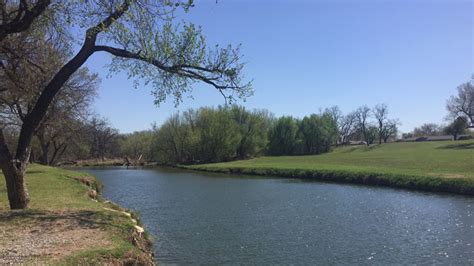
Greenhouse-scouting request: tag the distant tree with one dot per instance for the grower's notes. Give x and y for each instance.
(253, 129)
(363, 123)
(283, 137)
(381, 115)
(137, 145)
(407, 135)
(218, 132)
(371, 134)
(428, 129)
(390, 130)
(337, 117)
(170, 140)
(457, 127)
(347, 127)
(102, 137)
(319, 133)
(463, 103)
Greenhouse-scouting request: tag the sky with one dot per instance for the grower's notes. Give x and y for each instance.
(304, 56)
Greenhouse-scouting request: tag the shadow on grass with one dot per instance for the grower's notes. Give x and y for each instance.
(460, 146)
(73, 219)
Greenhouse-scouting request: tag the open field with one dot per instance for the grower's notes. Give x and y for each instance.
(66, 225)
(433, 166)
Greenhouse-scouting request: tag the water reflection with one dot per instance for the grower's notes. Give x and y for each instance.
(219, 219)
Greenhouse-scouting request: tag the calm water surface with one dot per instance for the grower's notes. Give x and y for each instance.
(218, 219)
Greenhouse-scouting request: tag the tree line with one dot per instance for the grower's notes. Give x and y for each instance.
(232, 132)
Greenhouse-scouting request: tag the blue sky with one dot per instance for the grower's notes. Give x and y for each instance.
(307, 55)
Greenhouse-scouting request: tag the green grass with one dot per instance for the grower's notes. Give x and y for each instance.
(62, 195)
(434, 166)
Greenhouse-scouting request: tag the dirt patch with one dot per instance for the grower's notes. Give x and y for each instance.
(40, 236)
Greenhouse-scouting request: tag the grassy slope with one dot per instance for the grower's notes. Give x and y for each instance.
(55, 192)
(436, 166)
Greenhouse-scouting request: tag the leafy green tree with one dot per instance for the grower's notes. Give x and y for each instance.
(219, 135)
(171, 142)
(143, 41)
(457, 127)
(319, 133)
(137, 145)
(253, 131)
(283, 137)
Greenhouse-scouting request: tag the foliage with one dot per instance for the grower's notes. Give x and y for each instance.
(283, 137)
(137, 144)
(211, 135)
(462, 104)
(319, 133)
(428, 129)
(457, 127)
(144, 40)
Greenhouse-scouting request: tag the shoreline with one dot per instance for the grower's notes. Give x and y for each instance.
(460, 186)
(68, 222)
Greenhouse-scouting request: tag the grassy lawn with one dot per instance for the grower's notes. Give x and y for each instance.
(437, 166)
(65, 225)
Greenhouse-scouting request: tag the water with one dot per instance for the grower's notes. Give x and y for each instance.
(219, 219)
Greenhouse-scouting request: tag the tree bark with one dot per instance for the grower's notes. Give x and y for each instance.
(16, 185)
(14, 172)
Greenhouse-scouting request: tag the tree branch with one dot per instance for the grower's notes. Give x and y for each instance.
(182, 69)
(24, 17)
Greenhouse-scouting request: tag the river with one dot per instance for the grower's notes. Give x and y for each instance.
(198, 218)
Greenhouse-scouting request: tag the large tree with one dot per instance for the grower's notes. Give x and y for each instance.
(462, 104)
(144, 41)
(29, 62)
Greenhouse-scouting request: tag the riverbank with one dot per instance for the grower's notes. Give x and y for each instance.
(105, 163)
(69, 223)
(428, 166)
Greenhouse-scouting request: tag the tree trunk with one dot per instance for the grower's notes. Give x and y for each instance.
(58, 152)
(16, 185)
(44, 149)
